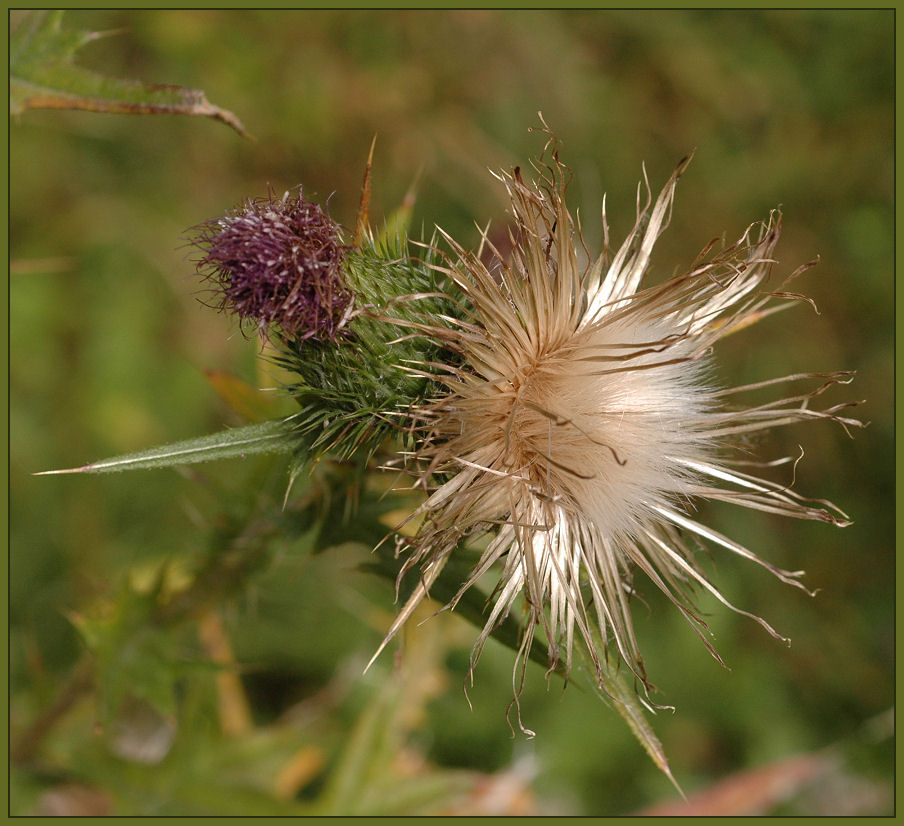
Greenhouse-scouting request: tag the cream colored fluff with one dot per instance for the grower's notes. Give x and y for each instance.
(579, 425)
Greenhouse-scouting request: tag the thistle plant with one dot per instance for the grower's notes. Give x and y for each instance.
(557, 412)
(337, 314)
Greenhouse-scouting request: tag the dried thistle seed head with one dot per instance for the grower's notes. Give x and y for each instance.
(278, 263)
(579, 424)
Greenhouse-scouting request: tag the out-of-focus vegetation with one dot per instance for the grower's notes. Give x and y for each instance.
(43, 74)
(180, 644)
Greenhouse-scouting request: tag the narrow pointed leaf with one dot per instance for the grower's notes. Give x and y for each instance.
(267, 437)
(615, 692)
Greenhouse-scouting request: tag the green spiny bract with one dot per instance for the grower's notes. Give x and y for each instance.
(355, 392)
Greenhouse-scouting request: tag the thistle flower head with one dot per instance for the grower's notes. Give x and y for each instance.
(278, 263)
(579, 423)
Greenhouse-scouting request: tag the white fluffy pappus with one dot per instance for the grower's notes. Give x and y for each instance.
(579, 424)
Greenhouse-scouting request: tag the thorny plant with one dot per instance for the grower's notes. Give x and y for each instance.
(558, 413)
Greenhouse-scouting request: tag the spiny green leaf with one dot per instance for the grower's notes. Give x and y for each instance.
(42, 75)
(615, 692)
(40, 39)
(267, 437)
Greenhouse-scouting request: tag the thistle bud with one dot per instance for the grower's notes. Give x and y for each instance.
(278, 265)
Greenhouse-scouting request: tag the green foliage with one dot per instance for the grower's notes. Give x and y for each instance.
(109, 347)
(238, 442)
(132, 655)
(42, 76)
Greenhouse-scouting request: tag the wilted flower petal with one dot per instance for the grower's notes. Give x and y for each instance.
(581, 423)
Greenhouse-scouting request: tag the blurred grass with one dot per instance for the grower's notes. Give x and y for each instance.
(109, 344)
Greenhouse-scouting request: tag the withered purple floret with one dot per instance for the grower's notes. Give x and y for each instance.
(278, 264)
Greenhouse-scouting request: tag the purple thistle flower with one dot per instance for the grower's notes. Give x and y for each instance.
(278, 263)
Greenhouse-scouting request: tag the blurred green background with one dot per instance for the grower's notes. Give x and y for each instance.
(110, 347)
